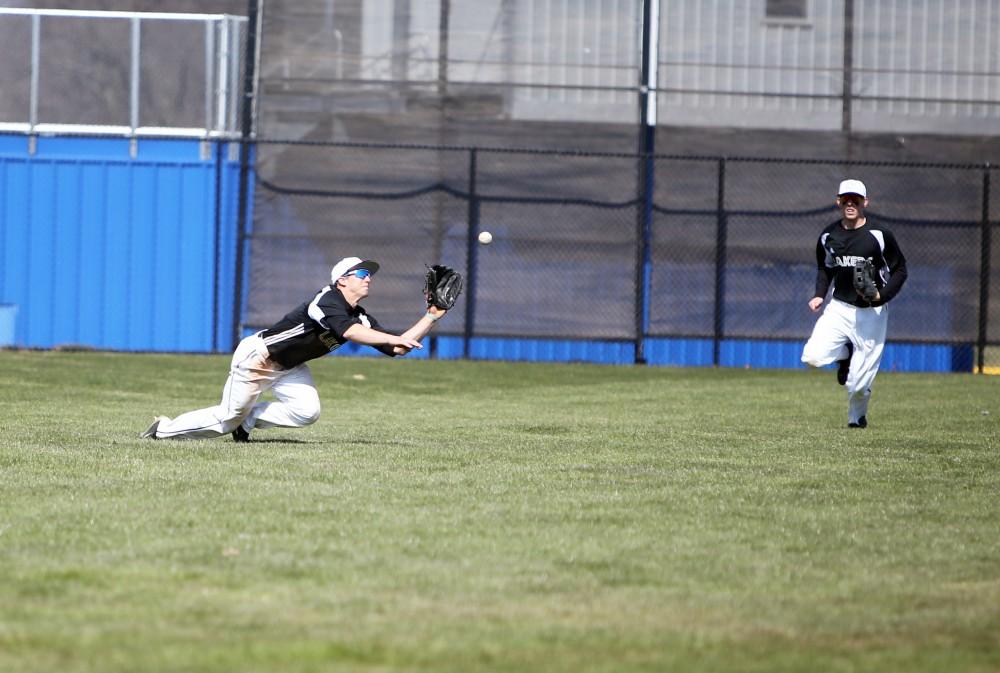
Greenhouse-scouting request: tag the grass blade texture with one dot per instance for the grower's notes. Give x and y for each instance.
(486, 516)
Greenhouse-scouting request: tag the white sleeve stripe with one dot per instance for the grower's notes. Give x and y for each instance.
(828, 260)
(315, 312)
(287, 334)
(880, 238)
(883, 271)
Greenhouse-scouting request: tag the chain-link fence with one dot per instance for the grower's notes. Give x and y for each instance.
(857, 66)
(718, 248)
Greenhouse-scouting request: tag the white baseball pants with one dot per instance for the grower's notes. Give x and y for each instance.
(865, 328)
(251, 373)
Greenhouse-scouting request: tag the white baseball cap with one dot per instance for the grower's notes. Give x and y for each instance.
(853, 187)
(348, 264)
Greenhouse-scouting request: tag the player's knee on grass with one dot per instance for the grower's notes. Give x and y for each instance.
(230, 421)
(306, 410)
(232, 416)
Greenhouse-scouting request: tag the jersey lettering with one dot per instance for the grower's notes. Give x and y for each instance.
(838, 250)
(849, 260)
(329, 340)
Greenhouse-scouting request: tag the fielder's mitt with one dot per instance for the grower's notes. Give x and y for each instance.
(864, 280)
(442, 286)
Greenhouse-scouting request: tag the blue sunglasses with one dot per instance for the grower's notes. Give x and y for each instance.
(360, 273)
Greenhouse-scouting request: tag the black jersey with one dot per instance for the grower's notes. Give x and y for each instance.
(316, 328)
(838, 249)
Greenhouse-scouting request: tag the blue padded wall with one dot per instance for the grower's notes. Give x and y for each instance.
(104, 250)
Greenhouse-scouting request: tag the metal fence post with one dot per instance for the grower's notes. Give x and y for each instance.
(644, 227)
(721, 224)
(848, 73)
(244, 187)
(470, 258)
(646, 168)
(444, 21)
(220, 160)
(984, 269)
(36, 47)
(135, 73)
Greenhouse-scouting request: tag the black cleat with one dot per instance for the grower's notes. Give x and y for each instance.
(844, 365)
(240, 435)
(150, 432)
(861, 424)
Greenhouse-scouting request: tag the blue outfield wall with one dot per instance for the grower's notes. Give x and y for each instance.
(101, 249)
(660, 351)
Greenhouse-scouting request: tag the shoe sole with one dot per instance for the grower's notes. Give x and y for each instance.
(150, 432)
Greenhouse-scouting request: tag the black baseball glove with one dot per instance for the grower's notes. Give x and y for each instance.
(864, 280)
(442, 286)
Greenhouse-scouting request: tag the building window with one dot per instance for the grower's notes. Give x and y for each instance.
(785, 10)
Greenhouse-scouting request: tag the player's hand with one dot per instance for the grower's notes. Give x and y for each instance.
(815, 303)
(405, 343)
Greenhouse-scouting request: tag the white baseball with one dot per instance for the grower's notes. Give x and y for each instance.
(485, 237)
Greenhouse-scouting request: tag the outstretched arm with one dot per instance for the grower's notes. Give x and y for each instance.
(442, 285)
(372, 337)
(390, 344)
(421, 328)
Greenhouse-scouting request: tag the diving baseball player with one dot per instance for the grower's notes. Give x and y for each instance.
(852, 329)
(275, 359)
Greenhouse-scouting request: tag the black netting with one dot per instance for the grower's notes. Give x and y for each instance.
(564, 238)
(557, 271)
(770, 272)
(292, 256)
(731, 241)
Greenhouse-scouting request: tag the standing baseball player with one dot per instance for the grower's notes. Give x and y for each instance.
(275, 359)
(863, 261)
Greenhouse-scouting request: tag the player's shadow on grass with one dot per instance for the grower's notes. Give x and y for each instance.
(377, 442)
(278, 440)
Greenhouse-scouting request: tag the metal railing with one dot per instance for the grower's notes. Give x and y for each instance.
(221, 66)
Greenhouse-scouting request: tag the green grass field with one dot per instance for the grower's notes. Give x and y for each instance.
(464, 517)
